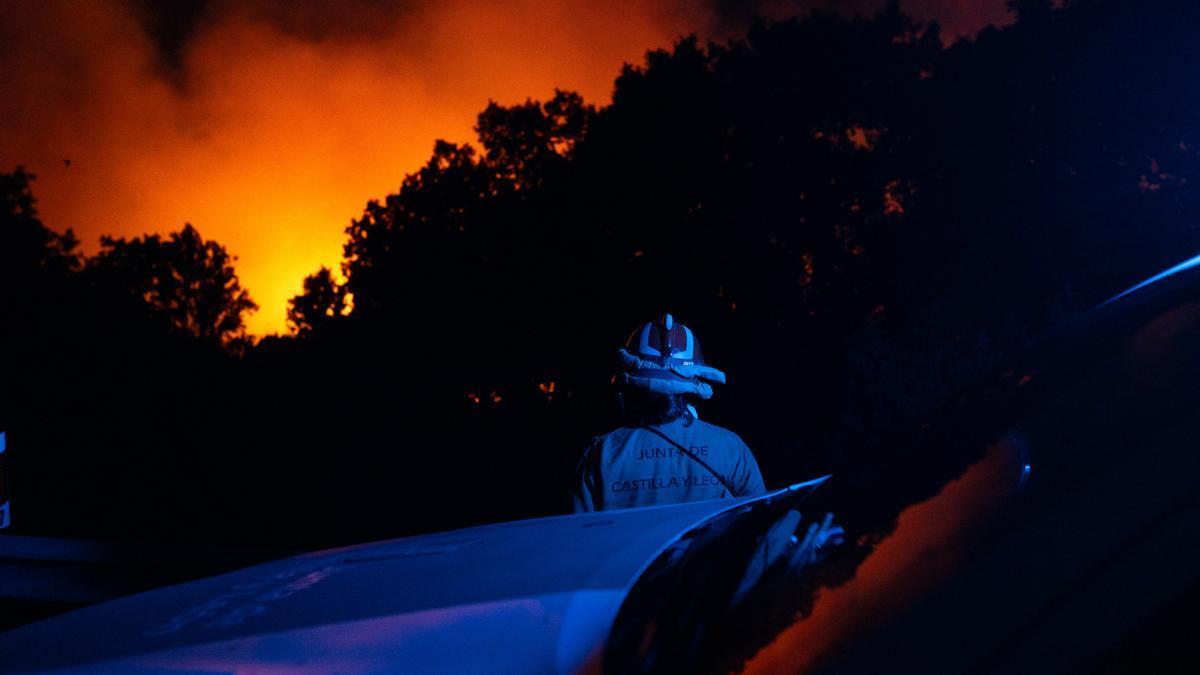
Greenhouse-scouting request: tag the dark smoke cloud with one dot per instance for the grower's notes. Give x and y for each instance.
(171, 25)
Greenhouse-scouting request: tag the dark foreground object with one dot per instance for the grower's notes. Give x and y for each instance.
(41, 577)
(539, 595)
(1093, 566)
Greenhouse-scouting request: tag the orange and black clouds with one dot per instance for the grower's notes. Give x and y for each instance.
(269, 124)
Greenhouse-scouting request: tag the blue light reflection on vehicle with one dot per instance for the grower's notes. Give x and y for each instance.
(4, 517)
(1185, 265)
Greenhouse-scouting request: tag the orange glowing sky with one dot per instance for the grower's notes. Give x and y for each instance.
(271, 140)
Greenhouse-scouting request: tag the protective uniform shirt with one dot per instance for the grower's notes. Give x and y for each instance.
(635, 467)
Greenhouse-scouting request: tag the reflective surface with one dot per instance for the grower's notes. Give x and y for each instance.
(529, 596)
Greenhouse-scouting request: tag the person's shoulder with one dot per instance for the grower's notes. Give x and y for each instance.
(717, 432)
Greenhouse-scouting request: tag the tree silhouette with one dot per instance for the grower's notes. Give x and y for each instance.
(26, 245)
(183, 278)
(1035, 11)
(528, 142)
(322, 301)
(401, 248)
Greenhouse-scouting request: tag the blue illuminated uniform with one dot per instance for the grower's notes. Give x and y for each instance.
(635, 467)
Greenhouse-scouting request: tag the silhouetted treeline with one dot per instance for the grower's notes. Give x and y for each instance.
(857, 221)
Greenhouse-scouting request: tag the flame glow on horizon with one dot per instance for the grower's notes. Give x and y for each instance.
(273, 142)
(272, 139)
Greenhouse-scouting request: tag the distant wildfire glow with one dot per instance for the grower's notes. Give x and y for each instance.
(274, 142)
(271, 140)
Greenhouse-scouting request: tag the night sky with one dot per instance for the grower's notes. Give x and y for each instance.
(268, 125)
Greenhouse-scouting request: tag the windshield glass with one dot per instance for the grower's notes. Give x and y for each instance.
(1098, 433)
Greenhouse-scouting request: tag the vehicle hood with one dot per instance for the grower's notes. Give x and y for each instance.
(535, 595)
